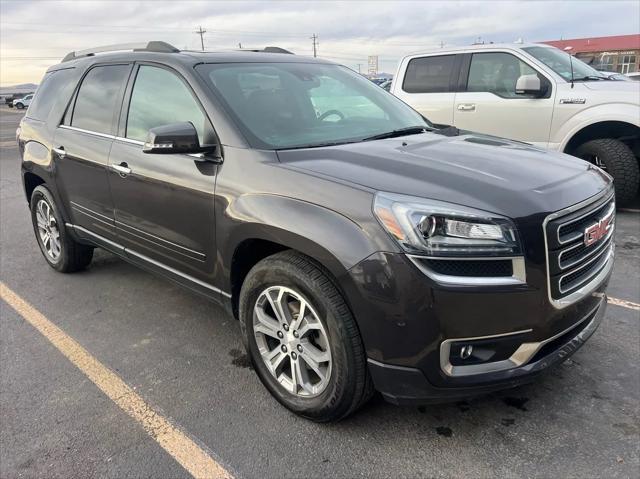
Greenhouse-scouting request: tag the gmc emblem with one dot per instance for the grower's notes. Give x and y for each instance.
(597, 231)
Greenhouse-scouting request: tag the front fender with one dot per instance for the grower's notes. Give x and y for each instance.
(329, 237)
(623, 112)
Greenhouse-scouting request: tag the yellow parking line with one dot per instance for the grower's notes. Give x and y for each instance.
(183, 449)
(624, 303)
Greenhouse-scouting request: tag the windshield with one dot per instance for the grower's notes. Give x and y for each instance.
(296, 105)
(560, 63)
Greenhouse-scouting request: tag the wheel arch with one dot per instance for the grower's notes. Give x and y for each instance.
(273, 223)
(622, 130)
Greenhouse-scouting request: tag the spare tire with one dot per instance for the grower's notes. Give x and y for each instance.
(618, 160)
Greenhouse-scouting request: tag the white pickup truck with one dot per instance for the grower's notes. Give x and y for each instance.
(532, 93)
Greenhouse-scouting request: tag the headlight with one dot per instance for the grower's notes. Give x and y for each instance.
(436, 228)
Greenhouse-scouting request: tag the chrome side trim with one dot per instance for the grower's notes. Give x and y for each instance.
(89, 132)
(91, 214)
(148, 260)
(129, 140)
(595, 282)
(157, 240)
(521, 356)
(519, 275)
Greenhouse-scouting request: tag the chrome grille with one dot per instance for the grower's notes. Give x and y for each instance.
(572, 260)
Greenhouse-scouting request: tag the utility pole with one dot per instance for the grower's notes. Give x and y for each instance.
(315, 45)
(359, 68)
(240, 46)
(201, 32)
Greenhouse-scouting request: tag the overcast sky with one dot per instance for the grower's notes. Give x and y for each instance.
(36, 34)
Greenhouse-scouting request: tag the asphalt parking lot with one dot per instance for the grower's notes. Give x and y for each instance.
(182, 355)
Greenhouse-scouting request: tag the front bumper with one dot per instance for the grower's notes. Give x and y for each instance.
(406, 320)
(407, 386)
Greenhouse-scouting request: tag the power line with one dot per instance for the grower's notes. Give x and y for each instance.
(201, 32)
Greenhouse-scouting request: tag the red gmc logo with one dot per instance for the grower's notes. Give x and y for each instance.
(597, 231)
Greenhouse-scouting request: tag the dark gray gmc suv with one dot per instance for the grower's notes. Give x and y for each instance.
(361, 247)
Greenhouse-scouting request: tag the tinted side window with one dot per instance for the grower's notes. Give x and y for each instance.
(159, 98)
(497, 73)
(48, 92)
(97, 98)
(428, 74)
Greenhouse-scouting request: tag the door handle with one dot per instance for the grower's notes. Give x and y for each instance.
(60, 152)
(122, 169)
(466, 107)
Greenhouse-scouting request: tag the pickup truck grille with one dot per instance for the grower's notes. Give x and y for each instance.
(579, 245)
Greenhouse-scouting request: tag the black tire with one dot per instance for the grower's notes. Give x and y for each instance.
(19, 106)
(73, 256)
(619, 161)
(349, 385)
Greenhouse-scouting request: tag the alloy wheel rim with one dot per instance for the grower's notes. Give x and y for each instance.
(292, 341)
(48, 230)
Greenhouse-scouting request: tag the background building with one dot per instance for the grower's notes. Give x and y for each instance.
(619, 53)
(373, 65)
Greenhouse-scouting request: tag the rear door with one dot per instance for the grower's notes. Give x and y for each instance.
(82, 144)
(164, 205)
(429, 86)
(488, 102)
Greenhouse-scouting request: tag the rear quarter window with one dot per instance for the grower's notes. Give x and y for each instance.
(50, 90)
(429, 74)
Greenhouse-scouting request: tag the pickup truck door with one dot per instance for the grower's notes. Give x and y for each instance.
(81, 148)
(429, 86)
(164, 203)
(487, 102)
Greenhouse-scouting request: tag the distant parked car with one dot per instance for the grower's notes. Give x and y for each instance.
(615, 75)
(23, 102)
(386, 85)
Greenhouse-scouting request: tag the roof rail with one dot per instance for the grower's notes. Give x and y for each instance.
(267, 50)
(155, 46)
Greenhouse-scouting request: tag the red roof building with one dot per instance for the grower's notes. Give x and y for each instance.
(619, 53)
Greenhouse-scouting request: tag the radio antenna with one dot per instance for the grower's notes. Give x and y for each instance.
(568, 50)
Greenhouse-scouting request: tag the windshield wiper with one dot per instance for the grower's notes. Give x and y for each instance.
(411, 130)
(590, 77)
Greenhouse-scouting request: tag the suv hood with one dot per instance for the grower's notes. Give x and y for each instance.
(500, 176)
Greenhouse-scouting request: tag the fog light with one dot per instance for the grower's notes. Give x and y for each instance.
(466, 351)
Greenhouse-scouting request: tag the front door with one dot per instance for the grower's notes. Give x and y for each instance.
(164, 203)
(82, 145)
(490, 104)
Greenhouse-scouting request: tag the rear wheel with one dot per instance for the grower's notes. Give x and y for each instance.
(303, 339)
(19, 106)
(61, 251)
(618, 160)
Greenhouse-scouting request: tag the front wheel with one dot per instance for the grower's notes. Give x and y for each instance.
(618, 160)
(19, 106)
(61, 251)
(303, 339)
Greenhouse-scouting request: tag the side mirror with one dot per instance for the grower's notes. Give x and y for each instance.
(174, 138)
(528, 85)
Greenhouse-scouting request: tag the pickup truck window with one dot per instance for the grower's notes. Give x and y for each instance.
(159, 98)
(429, 74)
(496, 73)
(96, 101)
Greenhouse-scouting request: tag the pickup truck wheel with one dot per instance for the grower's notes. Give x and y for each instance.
(618, 160)
(19, 106)
(302, 338)
(60, 250)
